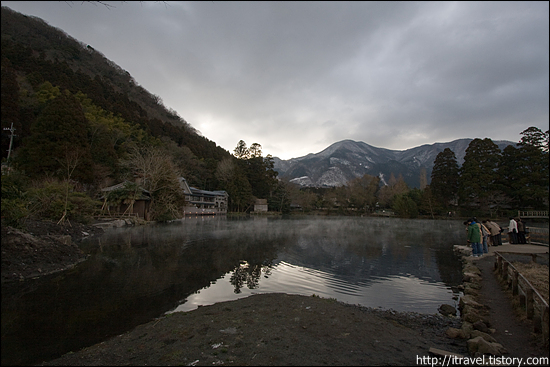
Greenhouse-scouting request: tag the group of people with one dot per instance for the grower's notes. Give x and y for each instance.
(516, 231)
(488, 233)
(481, 235)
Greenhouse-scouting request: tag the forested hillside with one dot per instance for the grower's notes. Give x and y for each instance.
(74, 123)
(40, 63)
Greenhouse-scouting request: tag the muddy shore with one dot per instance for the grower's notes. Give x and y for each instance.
(276, 329)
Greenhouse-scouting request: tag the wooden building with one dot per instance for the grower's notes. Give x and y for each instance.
(260, 206)
(202, 202)
(126, 199)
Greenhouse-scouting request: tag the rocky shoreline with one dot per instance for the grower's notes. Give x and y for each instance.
(476, 328)
(489, 323)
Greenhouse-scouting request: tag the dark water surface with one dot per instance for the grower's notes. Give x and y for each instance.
(137, 274)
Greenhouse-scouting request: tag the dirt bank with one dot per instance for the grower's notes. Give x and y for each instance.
(276, 329)
(42, 248)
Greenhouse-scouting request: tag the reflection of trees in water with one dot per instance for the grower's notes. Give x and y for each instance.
(248, 274)
(260, 255)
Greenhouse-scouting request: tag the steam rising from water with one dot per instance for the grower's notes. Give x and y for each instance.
(407, 265)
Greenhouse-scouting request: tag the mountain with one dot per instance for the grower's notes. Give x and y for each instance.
(348, 159)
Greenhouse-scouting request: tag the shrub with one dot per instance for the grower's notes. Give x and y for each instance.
(14, 203)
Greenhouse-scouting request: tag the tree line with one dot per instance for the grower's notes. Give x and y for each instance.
(490, 182)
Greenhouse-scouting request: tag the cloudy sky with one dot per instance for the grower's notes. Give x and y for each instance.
(296, 77)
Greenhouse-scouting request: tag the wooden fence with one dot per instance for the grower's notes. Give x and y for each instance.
(537, 235)
(533, 213)
(535, 306)
(116, 215)
(534, 235)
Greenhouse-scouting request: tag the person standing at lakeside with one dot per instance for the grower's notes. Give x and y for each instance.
(485, 233)
(521, 231)
(483, 249)
(513, 231)
(474, 238)
(496, 230)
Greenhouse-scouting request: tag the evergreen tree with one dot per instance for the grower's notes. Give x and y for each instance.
(531, 176)
(240, 192)
(280, 199)
(534, 137)
(445, 176)
(259, 171)
(478, 173)
(255, 150)
(404, 206)
(509, 173)
(59, 141)
(234, 181)
(241, 151)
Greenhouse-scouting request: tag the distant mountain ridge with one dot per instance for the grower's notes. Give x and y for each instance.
(347, 159)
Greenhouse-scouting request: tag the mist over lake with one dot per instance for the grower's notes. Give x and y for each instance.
(406, 265)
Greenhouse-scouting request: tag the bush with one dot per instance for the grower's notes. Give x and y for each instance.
(47, 200)
(14, 203)
(405, 207)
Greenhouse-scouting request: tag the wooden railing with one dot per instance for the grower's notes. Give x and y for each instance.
(534, 235)
(533, 214)
(535, 306)
(538, 235)
(115, 215)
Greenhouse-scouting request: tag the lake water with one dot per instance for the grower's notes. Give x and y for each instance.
(137, 274)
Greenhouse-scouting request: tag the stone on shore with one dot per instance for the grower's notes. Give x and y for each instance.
(479, 346)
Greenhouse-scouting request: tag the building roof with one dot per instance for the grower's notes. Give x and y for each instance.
(196, 191)
(145, 195)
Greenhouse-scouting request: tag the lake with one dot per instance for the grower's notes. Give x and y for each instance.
(137, 274)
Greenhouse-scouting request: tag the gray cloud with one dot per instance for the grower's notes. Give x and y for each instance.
(299, 76)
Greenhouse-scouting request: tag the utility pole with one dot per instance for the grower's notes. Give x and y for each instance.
(11, 130)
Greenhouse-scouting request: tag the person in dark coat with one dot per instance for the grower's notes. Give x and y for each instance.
(496, 230)
(513, 231)
(521, 231)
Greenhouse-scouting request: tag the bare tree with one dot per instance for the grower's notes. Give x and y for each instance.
(155, 171)
(69, 162)
(225, 170)
(423, 178)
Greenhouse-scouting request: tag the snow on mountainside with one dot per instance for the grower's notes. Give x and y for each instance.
(348, 159)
